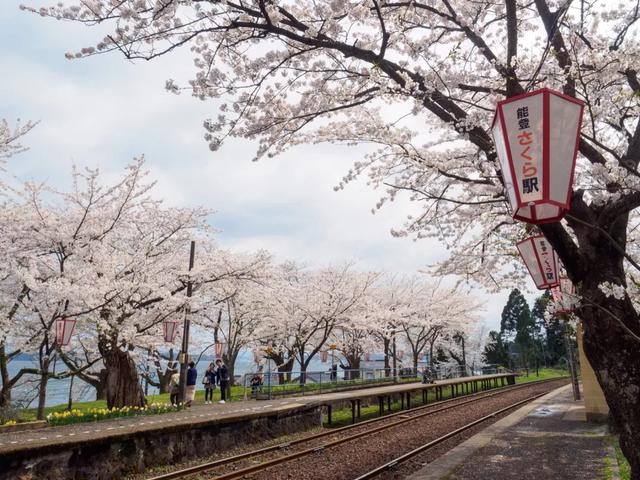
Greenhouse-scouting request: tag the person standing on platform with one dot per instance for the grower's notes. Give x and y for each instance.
(334, 373)
(223, 378)
(209, 382)
(174, 387)
(192, 379)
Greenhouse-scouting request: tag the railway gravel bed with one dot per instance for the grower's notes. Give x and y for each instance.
(357, 457)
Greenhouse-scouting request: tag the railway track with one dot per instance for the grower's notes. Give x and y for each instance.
(233, 466)
(433, 443)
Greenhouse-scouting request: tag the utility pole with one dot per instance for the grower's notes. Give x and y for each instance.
(184, 360)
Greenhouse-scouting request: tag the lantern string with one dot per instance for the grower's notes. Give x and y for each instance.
(615, 244)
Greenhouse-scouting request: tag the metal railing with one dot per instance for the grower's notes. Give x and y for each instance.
(266, 385)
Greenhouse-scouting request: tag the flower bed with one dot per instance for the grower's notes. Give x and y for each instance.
(95, 414)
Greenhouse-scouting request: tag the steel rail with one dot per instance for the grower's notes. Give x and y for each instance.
(402, 458)
(433, 409)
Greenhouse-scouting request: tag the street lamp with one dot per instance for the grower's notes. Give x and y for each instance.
(536, 137)
(541, 261)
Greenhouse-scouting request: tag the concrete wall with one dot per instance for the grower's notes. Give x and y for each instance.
(596, 407)
(107, 459)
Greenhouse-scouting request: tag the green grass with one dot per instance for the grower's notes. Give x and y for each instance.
(237, 393)
(30, 414)
(342, 417)
(623, 464)
(544, 374)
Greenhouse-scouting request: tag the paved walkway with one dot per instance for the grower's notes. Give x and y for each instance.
(200, 415)
(548, 439)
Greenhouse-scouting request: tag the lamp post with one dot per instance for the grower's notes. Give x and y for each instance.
(185, 332)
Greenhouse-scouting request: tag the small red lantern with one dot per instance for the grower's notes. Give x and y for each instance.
(64, 330)
(324, 356)
(219, 347)
(541, 261)
(564, 296)
(256, 356)
(400, 354)
(536, 137)
(169, 330)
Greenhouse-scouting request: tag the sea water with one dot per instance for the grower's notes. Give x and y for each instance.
(26, 393)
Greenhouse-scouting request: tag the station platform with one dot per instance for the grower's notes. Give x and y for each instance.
(129, 444)
(547, 439)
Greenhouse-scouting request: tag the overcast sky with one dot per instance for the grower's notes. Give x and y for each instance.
(103, 111)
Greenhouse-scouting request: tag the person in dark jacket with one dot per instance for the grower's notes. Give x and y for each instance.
(223, 379)
(192, 379)
(334, 373)
(209, 381)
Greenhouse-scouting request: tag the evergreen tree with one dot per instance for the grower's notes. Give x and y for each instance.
(517, 325)
(495, 351)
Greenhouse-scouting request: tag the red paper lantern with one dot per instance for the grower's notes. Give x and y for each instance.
(324, 356)
(219, 347)
(536, 137)
(64, 330)
(256, 356)
(169, 330)
(541, 261)
(564, 296)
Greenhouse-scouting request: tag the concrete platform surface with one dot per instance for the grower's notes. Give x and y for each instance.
(203, 415)
(548, 439)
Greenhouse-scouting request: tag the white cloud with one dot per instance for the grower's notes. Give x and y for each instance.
(103, 111)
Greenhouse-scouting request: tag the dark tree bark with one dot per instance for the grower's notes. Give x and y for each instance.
(122, 381)
(5, 390)
(42, 389)
(609, 325)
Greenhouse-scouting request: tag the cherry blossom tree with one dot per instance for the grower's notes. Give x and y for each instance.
(418, 80)
(234, 309)
(311, 304)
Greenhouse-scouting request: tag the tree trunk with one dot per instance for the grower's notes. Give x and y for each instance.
(101, 385)
(42, 388)
(122, 385)
(230, 362)
(70, 399)
(615, 358)
(612, 351)
(284, 368)
(5, 390)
